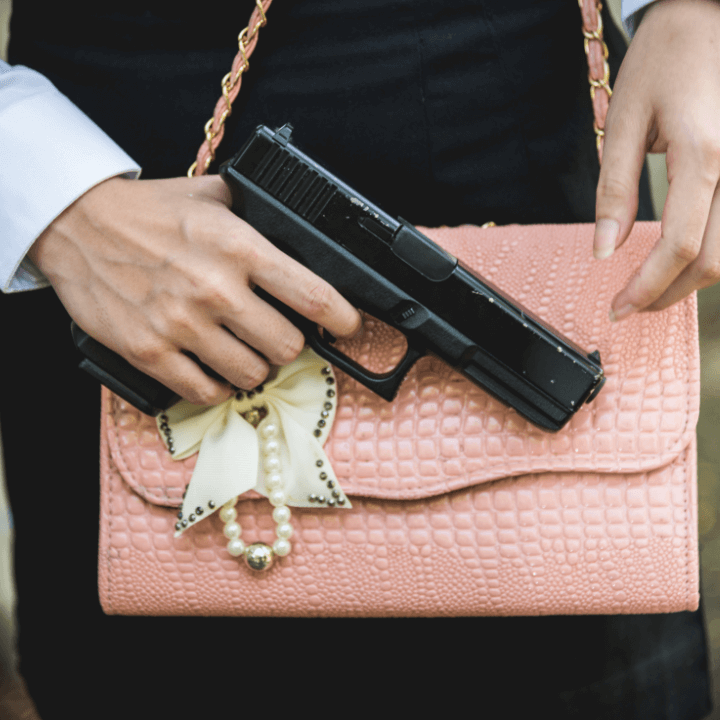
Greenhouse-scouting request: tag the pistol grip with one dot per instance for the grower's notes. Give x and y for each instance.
(118, 375)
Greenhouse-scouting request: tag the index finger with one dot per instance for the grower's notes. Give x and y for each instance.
(690, 194)
(301, 289)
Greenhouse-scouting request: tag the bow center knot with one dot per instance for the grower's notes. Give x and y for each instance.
(255, 415)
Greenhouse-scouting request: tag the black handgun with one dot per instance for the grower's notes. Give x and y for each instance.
(388, 269)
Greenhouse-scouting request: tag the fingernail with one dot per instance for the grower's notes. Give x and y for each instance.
(622, 313)
(606, 233)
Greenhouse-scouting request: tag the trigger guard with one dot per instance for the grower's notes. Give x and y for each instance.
(386, 385)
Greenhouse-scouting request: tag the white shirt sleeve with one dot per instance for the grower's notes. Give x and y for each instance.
(629, 13)
(50, 154)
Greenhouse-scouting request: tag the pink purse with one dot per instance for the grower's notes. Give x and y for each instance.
(443, 502)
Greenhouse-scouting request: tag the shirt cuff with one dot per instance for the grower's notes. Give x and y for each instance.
(632, 12)
(52, 153)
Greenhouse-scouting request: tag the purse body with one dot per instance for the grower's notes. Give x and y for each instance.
(459, 506)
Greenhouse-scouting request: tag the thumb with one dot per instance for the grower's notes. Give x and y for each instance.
(617, 192)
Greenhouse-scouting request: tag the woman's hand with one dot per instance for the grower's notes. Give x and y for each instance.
(666, 99)
(154, 269)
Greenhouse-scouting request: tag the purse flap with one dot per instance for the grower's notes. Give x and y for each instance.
(443, 433)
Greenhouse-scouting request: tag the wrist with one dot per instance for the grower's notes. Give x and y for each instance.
(53, 233)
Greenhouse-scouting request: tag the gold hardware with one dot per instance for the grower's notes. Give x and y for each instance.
(255, 415)
(259, 556)
(595, 34)
(488, 225)
(604, 83)
(227, 84)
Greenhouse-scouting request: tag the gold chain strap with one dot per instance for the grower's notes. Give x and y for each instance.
(212, 129)
(604, 82)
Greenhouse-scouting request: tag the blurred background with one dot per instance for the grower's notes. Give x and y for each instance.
(7, 589)
(708, 450)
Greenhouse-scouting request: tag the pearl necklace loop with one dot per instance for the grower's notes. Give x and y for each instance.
(259, 556)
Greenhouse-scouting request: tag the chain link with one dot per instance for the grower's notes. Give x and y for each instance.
(228, 83)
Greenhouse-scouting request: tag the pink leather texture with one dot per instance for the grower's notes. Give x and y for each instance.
(460, 507)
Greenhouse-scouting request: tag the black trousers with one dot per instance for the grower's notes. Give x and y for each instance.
(443, 114)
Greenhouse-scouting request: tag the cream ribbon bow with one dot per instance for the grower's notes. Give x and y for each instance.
(235, 444)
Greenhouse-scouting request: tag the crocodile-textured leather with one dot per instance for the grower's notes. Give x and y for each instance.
(460, 507)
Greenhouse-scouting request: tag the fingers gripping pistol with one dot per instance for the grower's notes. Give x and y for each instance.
(387, 268)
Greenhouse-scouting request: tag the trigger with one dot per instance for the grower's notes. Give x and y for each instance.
(324, 334)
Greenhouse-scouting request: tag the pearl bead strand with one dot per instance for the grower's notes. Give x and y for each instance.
(232, 529)
(274, 485)
(272, 466)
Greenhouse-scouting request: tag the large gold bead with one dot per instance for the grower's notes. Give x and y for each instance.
(259, 556)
